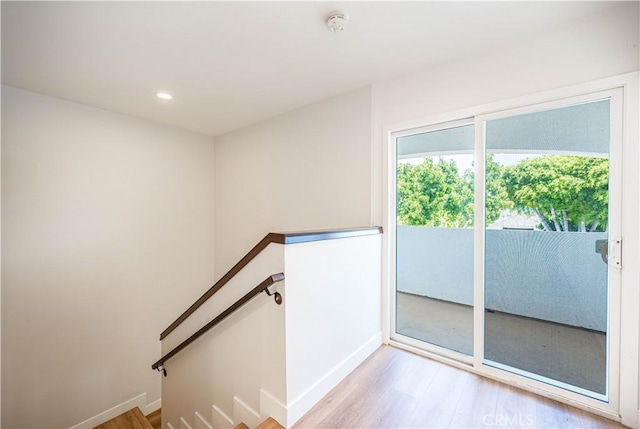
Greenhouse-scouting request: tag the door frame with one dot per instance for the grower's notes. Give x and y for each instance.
(623, 396)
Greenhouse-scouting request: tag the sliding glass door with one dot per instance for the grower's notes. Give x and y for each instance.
(508, 243)
(546, 231)
(434, 240)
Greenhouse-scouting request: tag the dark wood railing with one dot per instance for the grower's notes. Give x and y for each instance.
(262, 287)
(272, 237)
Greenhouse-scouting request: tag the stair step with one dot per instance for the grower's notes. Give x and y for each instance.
(267, 424)
(270, 424)
(132, 419)
(155, 418)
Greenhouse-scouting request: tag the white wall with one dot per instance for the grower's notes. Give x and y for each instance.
(332, 315)
(107, 227)
(599, 46)
(307, 169)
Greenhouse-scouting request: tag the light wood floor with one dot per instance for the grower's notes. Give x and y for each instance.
(132, 419)
(397, 389)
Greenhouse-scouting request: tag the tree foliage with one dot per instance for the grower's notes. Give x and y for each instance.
(434, 193)
(566, 193)
(496, 197)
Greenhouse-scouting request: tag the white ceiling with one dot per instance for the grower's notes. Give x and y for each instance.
(231, 64)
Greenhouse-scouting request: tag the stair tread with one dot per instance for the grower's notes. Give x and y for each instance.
(270, 423)
(155, 418)
(132, 419)
(267, 424)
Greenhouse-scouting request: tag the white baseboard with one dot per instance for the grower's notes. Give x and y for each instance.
(303, 403)
(201, 422)
(272, 407)
(220, 419)
(139, 401)
(150, 408)
(184, 424)
(243, 413)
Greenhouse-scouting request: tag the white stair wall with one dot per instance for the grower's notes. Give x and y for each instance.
(270, 406)
(184, 424)
(269, 360)
(219, 419)
(243, 413)
(333, 315)
(238, 357)
(201, 422)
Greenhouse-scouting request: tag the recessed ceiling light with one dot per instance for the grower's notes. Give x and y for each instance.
(164, 95)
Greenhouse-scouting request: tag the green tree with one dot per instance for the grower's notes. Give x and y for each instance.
(431, 194)
(496, 197)
(434, 193)
(566, 193)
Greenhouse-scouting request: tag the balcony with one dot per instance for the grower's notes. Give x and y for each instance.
(545, 298)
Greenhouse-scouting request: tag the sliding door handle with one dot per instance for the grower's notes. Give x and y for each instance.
(612, 254)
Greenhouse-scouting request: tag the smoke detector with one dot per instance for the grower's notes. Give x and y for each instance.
(337, 22)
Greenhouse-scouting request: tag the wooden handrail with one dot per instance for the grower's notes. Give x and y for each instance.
(272, 237)
(262, 287)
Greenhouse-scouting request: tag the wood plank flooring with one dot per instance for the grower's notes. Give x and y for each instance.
(132, 419)
(267, 424)
(270, 423)
(155, 418)
(397, 389)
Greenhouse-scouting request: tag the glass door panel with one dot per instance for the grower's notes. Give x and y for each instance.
(434, 237)
(547, 212)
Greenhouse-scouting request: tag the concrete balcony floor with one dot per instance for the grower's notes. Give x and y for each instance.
(568, 354)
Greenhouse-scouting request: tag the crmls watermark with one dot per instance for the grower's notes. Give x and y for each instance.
(508, 421)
